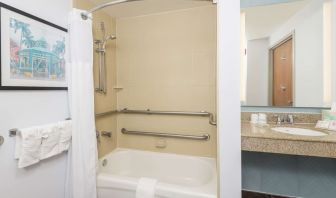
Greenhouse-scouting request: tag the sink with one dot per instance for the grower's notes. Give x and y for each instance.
(299, 131)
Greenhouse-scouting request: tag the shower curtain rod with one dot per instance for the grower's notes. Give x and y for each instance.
(85, 15)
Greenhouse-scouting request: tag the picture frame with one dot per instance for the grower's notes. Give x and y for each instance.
(32, 52)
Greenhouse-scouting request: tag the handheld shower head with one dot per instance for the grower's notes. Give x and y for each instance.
(110, 37)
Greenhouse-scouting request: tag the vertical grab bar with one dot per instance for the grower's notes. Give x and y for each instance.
(98, 43)
(102, 68)
(103, 75)
(101, 50)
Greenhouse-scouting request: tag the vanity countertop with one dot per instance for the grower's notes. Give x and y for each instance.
(252, 130)
(264, 139)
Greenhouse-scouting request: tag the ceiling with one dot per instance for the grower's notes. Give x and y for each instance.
(261, 21)
(145, 7)
(253, 3)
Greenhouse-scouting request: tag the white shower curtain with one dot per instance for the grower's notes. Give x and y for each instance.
(82, 163)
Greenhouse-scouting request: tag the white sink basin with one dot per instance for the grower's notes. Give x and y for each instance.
(299, 131)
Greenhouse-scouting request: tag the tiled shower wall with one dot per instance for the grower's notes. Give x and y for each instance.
(162, 64)
(167, 61)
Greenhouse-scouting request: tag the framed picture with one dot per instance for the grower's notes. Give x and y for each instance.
(33, 52)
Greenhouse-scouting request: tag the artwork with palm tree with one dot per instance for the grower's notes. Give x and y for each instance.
(35, 53)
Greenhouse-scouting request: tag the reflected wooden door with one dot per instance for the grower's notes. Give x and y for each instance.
(283, 74)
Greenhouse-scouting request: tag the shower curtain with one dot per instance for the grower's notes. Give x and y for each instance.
(82, 158)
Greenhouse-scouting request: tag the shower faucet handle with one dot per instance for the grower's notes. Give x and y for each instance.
(98, 136)
(106, 134)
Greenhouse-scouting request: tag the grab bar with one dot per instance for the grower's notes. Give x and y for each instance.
(150, 112)
(167, 135)
(106, 113)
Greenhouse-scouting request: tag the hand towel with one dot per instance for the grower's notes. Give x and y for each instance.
(146, 188)
(27, 149)
(50, 140)
(65, 129)
(18, 145)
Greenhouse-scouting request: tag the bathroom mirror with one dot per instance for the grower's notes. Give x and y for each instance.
(286, 53)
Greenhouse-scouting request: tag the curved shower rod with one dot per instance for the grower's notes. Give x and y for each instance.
(85, 15)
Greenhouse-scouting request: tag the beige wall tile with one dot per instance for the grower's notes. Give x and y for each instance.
(167, 61)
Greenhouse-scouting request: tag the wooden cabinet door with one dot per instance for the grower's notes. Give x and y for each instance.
(283, 74)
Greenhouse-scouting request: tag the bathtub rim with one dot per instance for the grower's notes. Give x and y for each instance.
(120, 149)
(109, 180)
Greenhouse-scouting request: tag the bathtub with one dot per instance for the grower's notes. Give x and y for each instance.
(178, 176)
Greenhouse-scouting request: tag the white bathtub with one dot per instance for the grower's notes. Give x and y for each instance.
(179, 176)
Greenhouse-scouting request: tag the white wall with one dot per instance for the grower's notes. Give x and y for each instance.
(333, 52)
(308, 45)
(249, 3)
(228, 98)
(258, 72)
(26, 108)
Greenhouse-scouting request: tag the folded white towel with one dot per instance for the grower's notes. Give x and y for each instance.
(50, 141)
(28, 144)
(41, 142)
(65, 129)
(18, 145)
(146, 188)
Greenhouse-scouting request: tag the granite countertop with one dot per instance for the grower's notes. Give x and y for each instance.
(264, 139)
(252, 130)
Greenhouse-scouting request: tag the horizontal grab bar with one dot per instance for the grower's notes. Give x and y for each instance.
(201, 113)
(106, 113)
(150, 112)
(168, 135)
(184, 113)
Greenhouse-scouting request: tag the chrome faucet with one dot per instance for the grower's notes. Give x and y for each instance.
(100, 134)
(285, 119)
(290, 119)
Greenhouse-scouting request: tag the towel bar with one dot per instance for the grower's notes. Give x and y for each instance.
(168, 135)
(13, 132)
(2, 139)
